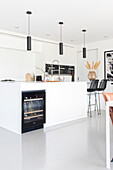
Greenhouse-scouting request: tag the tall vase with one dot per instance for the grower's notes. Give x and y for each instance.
(91, 75)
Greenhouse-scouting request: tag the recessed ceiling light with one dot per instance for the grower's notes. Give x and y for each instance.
(16, 27)
(48, 35)
(72, 41)
(105, 36)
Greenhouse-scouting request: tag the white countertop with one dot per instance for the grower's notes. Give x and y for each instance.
(41, 82)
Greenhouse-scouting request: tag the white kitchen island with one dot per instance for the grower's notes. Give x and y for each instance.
(65, 102)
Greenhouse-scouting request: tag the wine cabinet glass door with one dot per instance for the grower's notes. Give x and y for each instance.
(33, 110)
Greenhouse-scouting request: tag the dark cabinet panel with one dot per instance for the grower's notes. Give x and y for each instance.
(33, 110)
(64, 69)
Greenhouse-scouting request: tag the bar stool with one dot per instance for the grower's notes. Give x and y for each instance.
(90, 90)
(102, 87)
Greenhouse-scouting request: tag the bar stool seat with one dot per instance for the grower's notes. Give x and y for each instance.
(102, 87)
(90, 90)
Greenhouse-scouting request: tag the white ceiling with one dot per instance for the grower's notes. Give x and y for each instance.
(96, 16)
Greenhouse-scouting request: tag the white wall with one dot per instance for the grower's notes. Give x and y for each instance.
(50, 52)
(102, 46)
(16, 61)
(82, 72)
(14, 64)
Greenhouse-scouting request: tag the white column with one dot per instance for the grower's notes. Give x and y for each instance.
(108, 104)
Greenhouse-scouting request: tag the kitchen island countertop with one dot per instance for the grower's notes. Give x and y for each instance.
(65, 102)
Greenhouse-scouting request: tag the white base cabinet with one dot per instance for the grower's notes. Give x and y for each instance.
(65, 101)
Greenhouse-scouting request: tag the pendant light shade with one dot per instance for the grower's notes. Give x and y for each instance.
(61, 43)
(84, 52)
(28, 43)
(84, 48)
(61, 48)
(28, 37)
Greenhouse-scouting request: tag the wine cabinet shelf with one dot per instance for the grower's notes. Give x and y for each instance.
(25, 113)
(28, 100)
(31, 117)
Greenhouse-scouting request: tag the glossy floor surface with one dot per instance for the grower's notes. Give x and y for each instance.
(78, 146)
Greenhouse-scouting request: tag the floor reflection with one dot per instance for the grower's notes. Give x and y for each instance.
(77, 146)
(22, 152)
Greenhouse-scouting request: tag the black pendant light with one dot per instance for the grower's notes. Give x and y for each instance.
(84, 48)
(29, 37)
(61, 43)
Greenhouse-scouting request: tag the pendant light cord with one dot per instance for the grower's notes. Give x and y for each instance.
(60, 33)
(28, 13)
(84, 31)
(28, 24)
(60, 23)
(84, 39)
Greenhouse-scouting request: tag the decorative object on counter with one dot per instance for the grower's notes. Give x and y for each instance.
(38, 68)
(46, 76)
(84, 48)
(33, 77)
(61, 43)
(108, 65)
(29, 37)
(92, 74)
(28, 77)
(39, 78)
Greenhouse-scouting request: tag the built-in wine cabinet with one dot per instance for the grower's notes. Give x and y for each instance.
(33, 110)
